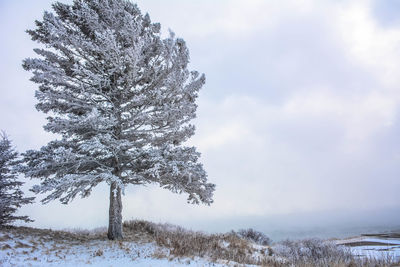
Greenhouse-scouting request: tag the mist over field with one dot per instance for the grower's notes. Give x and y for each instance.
(333, 224)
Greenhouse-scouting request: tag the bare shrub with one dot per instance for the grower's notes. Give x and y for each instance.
(316, 252)
(384, 260)
(255, 236)
(140, 226)
(186, 243)
(313, 251)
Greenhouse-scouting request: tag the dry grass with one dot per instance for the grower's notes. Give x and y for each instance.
(19, 244)
(5, 247)
(160, 254)
(185, 243)
(44, 235)
(316, 252)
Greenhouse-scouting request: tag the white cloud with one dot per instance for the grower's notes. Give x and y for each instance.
(360, 116)
(223, 135)
(299, 113)
(235, 19)
(374, 46)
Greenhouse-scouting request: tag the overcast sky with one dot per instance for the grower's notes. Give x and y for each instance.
(299, 114)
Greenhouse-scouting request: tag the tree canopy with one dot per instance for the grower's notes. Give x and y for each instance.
(120, 97)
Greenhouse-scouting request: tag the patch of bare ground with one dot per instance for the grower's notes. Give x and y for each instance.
(384, 235)
(368, 243)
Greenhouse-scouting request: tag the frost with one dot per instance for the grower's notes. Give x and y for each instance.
(120, 97)
(11, 196)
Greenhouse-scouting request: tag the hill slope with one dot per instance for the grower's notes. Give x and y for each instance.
(149, 244)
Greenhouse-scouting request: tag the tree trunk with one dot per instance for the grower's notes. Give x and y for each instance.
(115, 213)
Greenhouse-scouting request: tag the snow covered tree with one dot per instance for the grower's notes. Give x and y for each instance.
(11, 196)
(121, 99)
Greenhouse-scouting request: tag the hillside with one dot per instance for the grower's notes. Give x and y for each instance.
(149, 244)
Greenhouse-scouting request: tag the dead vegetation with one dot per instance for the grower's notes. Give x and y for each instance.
(316, 252)
(313, 252)
(43, 235)
(254, 236)
(186, 243)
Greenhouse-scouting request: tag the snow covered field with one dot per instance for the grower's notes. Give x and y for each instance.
(23, 246)
(149, 244)
(374, 246)
(38, 249)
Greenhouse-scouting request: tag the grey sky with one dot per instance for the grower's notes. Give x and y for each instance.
(300, 112)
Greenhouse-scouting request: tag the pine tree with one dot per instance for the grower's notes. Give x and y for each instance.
(11, 196)
(121, 99)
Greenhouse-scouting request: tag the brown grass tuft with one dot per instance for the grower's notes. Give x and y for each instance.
(6, 246)
(160, 254)
(98, 253)
(19, 244)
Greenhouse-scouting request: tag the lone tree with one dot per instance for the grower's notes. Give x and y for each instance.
(11, 196)
(121, 99)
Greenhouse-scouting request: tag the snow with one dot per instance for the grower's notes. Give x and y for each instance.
(390, 247)
(48, 248)
(377, 251)
(23, 246)
(40, 251)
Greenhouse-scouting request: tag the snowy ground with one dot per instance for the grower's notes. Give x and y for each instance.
(23, 246)
(18, 249)
(373, 246)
